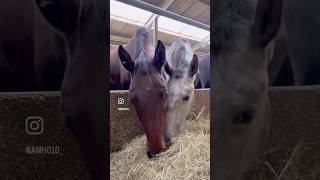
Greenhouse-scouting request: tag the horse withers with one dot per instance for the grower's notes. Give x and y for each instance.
(182, 66)
(243, 32)
(148, 87)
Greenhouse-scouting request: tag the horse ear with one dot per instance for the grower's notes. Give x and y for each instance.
(193, 68)
(168, 69)
(266, 22)
(125, 59)
(160, 55)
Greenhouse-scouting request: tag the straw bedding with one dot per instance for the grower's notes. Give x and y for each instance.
(187, 158)
(297, 163)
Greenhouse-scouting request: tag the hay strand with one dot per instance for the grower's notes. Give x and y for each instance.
(187, 158)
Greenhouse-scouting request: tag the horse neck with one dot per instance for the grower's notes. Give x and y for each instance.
(233, 9)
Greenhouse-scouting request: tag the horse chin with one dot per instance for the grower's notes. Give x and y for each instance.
(154, 156)
(168, 143)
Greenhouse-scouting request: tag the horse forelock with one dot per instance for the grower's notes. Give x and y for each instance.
(143, 42)
(229, 16)
(142, 32)
(142, 66)
(142, 50)
(180, 55)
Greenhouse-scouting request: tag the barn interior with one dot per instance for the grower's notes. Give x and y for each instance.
(190, 20)
(292, 151)
(126, 19)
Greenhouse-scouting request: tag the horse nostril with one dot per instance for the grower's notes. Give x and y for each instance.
(185, 98)
(152, 156)
(168, 143)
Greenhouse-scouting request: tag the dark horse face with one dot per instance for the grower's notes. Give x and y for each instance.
(83, 95)
(148, 92)
(241, 108)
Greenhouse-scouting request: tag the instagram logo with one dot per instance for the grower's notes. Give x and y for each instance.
(120, 101)
(34, 125)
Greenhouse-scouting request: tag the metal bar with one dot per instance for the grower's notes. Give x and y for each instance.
(165, 5)
(202, 43)
(155, 32)
(206, 2)
(162, 12)
(149, 22)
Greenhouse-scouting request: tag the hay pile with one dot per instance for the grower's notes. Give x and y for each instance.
(187, 158)
(301, 162)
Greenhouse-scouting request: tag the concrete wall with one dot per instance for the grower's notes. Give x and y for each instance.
(14, 109)
(296, 115)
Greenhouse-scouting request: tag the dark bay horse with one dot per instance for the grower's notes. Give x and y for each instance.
(84, 87)
(243, 37)
(16, 50)
(50, 54)
(119, 76)
(182, 66)
(204, 71)
(32, 53)
(148, 87)
(28, 34)
(302, 64)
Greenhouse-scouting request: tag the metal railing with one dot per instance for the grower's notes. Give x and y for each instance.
(163, 12)
(165, 5)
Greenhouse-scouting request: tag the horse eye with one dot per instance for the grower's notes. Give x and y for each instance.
(185, 98)
(245, 117)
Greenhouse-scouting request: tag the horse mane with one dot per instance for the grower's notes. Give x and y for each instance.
(142, 40)
(229, 17)
(182, 66)
(182, 52)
